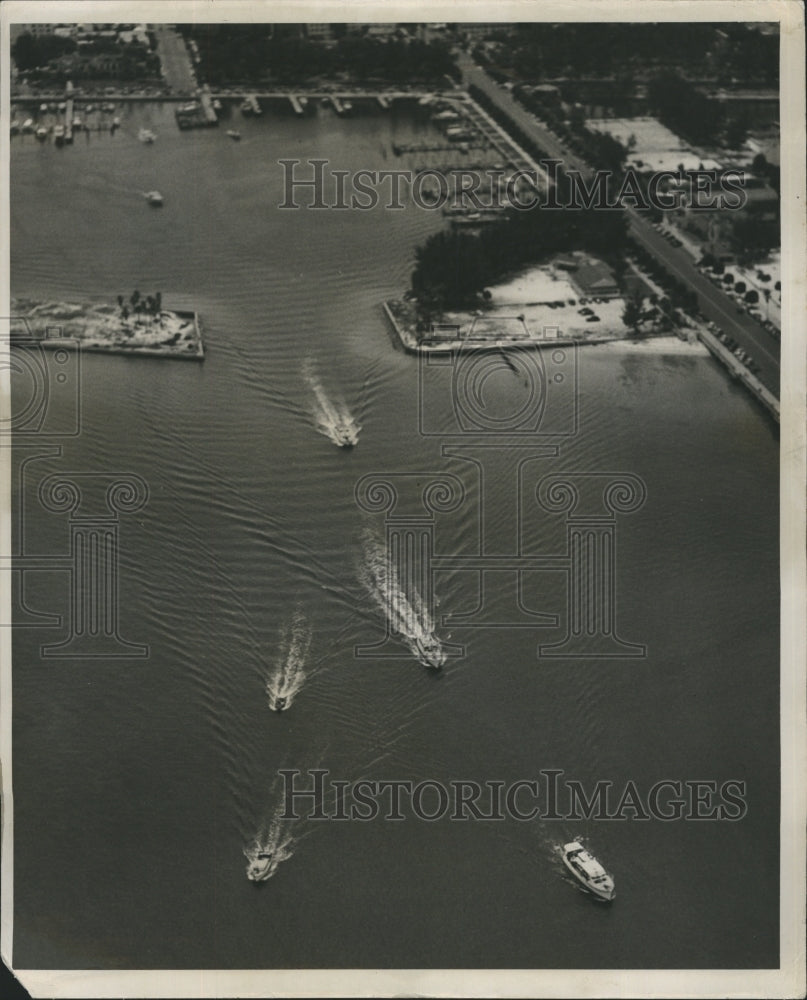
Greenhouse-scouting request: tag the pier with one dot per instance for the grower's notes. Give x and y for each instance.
(425, 147)
(209, 112)
(251, 106)
(297, 107)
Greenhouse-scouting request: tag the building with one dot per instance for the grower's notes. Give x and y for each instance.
(320, 32)
(594, 278)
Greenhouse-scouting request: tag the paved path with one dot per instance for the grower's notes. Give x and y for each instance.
(713, 303)
(175, 60)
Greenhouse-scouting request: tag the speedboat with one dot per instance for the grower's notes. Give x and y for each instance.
(58, 135)
(345, 435)
(28, 125)
(146, 135)
(588, 871)
(262, 866)
(430, 652)
(280, 703)
(231, 132)
(41, 133)
(154, 198)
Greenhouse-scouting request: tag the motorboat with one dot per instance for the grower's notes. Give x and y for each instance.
(77, 122)
(280, 703)
(231, 132)
(430, 652)
(262, 866)
(41, 133)
(62, 105)
(216, 104)
(43, 107)
(14, 127)
(146, 135)
(58, 135)
(28, 125)
(588, 871)
(154, 198)
(345, 435)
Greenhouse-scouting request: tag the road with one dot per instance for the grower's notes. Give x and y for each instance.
(175, 60)
(713, 303)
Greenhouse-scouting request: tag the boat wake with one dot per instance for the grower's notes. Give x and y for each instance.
(272, 845)
(332, 416)
(285, 681)
(405, 610)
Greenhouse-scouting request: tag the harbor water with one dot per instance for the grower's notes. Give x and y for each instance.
(138, 782)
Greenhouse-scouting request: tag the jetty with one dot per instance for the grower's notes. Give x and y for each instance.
(296, 104)
(250, 105)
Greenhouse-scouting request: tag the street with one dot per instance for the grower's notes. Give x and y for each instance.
(175, 60)
(713, 303)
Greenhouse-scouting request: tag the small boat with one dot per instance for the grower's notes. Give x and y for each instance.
(231, 132)
(588, 871)
(347, 107)
(345, 435)
(43, 107)
(430, 652)
(14, 127)
(280, 703)
(446, 116)
(216, 104)
(146, 135)
(77, 122)
(41, 133)
(89, 108)
(28, 125)
(58, 135)
(154, 198)
(262, 867)
(62, 106)
(116, 122)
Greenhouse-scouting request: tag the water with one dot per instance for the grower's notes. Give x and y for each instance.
(139, 784)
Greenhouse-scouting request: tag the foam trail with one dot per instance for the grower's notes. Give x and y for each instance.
(288, 676)
(271, 845)
(332, 416)
(406, 612)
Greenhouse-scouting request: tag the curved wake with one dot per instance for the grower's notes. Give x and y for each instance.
(404, 608)
(288, 676)
(269, 848)
(332, 416)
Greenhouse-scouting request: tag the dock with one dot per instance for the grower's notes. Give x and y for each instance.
(297, 107)
(383, 102)
(209, 112)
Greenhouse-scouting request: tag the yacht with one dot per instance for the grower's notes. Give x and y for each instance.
(233, 134)
(262, 866)
(588, 871)
(430, 652)
(154, 198)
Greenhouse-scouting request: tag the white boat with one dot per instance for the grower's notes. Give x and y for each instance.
(588, 871)
(345, 435)
(116, 122)
(231, 132)
(146, 135)
(77, 122)
(41, 132)
(430, 652)
(14, 127)
(28, 125)
(280, 703)
(62, 105)
(216, 104)
(154, 198)
(262, 866)
(43, 107)
(58, 135)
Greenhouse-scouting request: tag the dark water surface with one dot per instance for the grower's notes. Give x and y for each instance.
(137, 783)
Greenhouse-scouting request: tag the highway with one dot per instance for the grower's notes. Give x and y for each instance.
(712, 301)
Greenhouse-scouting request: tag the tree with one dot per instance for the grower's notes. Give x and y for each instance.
(632, 314)
(752, 297)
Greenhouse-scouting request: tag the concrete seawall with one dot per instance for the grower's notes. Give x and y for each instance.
(738, 370)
